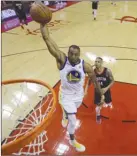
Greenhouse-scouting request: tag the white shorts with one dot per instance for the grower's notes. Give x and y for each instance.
(70, 104)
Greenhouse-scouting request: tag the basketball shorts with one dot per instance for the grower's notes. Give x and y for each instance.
(94, 5)
(69, 104)
(107, 95)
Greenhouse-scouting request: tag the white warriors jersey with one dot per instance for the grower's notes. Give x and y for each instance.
(72, 78)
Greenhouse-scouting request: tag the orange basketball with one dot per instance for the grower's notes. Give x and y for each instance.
(40, 13)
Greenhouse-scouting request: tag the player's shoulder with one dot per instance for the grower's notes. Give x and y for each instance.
(61, 57)
(108, 70)
(87, 67)
(61, 60)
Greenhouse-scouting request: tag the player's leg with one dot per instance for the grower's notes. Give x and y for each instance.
(68, 106)
(108, 99)
(21, 21)
(64, 117)
(98, 108)
(95, 13)
(98, 116)
(25, 22)
(94, 7)
(70, 109)
(64, 113)
(71, 129)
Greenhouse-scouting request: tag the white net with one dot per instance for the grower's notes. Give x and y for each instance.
(35, 147)
(25, 105)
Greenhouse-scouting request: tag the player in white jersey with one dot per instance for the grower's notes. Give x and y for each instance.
(72, 73)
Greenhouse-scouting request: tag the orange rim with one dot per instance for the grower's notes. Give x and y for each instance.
(14, 146)
(129, 18)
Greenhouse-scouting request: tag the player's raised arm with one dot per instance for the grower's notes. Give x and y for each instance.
(52, 46)
(92, 77)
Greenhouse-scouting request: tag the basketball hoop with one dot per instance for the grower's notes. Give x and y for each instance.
(27, 107)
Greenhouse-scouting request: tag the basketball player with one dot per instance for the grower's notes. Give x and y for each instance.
(95, 7)
(106, 80)
(113, 2)
(72, 74)
(19, 9)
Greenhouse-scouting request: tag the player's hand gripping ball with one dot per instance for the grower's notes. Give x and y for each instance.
(40, 13)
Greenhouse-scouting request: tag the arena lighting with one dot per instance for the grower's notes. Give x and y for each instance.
(109, 59)
(62, 148)
(7, 110)
(21, 96)
(106, 59)
(33, 87)
(78, 124)
(91, 56)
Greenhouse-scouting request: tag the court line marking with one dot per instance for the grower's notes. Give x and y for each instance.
(11, 33)
(30, 51)
(128, 121)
